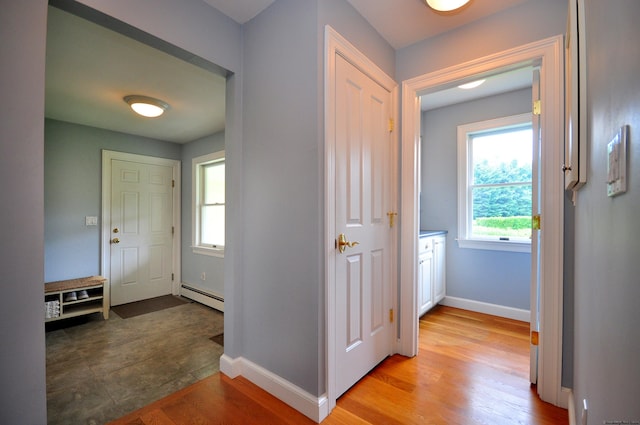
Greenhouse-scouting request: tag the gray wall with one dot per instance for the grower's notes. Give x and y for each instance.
(495, 277)
(73, 190)
(282, 239)
(193, 265)
(22, 351)
(607, 231)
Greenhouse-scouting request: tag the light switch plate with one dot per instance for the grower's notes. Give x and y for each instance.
(617, 162)
(91, 220)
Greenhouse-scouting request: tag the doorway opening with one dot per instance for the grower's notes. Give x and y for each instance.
(548, 55)
(73, 149)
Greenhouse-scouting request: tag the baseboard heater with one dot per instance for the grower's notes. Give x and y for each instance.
(204, 297)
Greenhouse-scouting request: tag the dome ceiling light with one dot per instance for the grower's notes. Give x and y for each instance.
(446, 5)
(146, 106)
(471, 85)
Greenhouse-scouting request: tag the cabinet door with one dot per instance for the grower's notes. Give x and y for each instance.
(439, 269)
(425, 281)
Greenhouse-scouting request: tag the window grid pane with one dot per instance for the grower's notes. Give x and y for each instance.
(210, 204)
(212, 228)
(213, 183)
(500, 184)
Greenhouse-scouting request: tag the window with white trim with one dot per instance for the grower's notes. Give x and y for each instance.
(208, 181)
(495, 184)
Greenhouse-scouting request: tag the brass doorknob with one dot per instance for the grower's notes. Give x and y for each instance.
(115, 240)
(343, 243)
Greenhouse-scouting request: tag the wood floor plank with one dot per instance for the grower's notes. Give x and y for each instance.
(472, 369)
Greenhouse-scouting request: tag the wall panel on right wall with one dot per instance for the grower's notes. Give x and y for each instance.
(607, 230)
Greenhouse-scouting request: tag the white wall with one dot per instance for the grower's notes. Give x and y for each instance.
(607, 231)
(495, 277)
(22, 351)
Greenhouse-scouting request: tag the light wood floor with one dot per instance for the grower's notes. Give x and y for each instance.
(472, 369)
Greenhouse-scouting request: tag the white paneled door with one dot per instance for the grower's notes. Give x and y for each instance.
(363, 180)
(140, 231)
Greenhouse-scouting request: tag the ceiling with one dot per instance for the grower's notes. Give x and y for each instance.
(89, 68)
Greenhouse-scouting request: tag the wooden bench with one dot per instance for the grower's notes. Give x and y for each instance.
(57, 303)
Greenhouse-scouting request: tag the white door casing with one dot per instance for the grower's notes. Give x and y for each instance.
(366, 178)
(547, 53)
(139, 200)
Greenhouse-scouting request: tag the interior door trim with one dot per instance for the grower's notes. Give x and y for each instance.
(107, 157)
(549, 54)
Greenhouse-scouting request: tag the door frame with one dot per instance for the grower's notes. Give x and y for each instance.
(107, 156)
(548, 53)
(336, 44)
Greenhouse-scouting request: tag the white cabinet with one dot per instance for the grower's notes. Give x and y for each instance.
(439, 268)
(431, 271)
(425, 279)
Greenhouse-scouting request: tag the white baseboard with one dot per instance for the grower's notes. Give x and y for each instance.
(315, 408)
(486, 308)
(208, 298)
(571, 407)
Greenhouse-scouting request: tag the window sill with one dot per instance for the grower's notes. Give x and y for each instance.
(212, 252)
(511, 246)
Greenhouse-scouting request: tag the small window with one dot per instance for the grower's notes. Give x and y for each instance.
(209, 204)
(495, 184)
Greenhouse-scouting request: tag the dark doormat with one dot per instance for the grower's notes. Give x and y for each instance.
(218, 339)
(138, 308)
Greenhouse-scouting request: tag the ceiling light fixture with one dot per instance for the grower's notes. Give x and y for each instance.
(146, 106)
(446, 5)
(471, 85)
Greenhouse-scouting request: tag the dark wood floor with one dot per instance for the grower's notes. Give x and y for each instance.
(472, 369)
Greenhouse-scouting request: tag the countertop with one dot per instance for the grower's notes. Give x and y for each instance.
(427, 233)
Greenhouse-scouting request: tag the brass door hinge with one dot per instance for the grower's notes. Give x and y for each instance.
(391, 315)
(392, 218)
(172, 277)
(391, 125)
(173, 230)
(535, 336)
(537, 108)
(535, 222)
(173, 183)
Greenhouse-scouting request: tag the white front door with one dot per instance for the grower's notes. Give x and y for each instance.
(363, 181)
(141, 227)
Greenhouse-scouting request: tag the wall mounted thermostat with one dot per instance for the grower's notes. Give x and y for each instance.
(617, 162)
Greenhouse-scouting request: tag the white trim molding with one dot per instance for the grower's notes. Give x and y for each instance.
(572, 406)
(548, 54)
(315, 408)
(487, 308)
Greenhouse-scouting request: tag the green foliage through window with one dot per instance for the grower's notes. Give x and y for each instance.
(501, 189)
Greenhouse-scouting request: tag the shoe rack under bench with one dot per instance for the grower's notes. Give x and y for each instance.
(59, 303)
